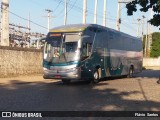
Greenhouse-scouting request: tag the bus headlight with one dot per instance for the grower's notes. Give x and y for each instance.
(45, 69)
(74, 69)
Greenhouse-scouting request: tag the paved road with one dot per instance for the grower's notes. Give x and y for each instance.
(33, 93)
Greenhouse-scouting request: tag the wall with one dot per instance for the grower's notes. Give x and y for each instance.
(23, 61)
(151, 62)
(19, 61)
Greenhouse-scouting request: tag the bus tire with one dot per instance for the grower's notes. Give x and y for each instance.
(44, 77)
(131, 71)
(66, 81)
(96, 78)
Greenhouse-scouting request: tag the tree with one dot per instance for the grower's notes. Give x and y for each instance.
(155, 49)
(145, 5)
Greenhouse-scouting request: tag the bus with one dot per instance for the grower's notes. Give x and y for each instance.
(90, 52)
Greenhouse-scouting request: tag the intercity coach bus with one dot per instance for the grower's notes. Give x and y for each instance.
(90, 52)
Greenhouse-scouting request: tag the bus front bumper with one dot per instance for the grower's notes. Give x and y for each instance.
(73, 73)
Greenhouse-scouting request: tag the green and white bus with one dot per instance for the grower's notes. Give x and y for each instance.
(90, 52)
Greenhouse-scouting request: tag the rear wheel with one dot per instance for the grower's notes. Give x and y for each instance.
(66, 81)
(158, 81)
(131, 71)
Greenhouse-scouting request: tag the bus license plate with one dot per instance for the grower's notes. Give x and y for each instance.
(57, 76)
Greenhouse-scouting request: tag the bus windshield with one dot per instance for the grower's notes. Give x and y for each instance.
(62, 48)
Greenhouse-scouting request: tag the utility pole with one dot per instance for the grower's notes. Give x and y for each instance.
(119, 13)
(118, 16)
(138, 27)
(146, 42)
(84, 11)
(29, 24)
(142, 26)
(19, 27)
(65, 16)
(104, 12)
(29, 29)
(5, 23)
(95, 12)
(150, 35)
(49, 17)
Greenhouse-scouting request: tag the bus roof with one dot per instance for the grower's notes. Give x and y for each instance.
(82, 27)
(75, 27)
(70, 28)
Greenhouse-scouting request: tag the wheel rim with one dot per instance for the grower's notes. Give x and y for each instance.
(131, 72)
(96, 75)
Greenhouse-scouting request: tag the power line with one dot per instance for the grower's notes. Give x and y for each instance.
(89, 13)
(57, 6)
(80, 9)
(26, 19)
(126, 25)
(72, 6)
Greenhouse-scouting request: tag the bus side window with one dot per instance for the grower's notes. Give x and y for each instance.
(89, 49)
(101, 39)
(111, 40)
(86, 50)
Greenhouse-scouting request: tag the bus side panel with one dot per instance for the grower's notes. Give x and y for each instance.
(124, 52)
(109, 60)
(100, 51)
(115, 60)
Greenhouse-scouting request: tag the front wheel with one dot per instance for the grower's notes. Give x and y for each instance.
(96, 78)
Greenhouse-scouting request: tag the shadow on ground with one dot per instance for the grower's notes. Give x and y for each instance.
(77, 96)
(149, 73)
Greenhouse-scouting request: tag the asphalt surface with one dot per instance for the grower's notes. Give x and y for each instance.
(33, 93)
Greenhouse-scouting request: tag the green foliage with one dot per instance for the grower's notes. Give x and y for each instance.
(145, 5)
(155, 47)
(155, 51)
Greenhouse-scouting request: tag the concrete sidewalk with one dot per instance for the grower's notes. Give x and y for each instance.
(152, 67)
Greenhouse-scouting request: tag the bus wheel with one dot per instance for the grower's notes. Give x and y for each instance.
(131, 71)
(66, 81)
(96, 76)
